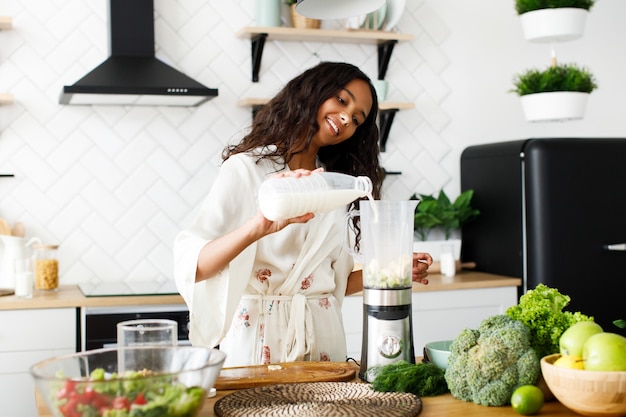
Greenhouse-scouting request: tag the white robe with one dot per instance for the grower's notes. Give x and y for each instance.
(280, 299)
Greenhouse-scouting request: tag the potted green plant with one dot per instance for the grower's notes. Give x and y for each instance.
(553, 20)
(440, 213)
(559, 92)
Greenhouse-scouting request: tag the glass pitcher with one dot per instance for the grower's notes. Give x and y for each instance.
(386, 246)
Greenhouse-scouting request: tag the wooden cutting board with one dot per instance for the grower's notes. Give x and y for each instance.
(255, 376)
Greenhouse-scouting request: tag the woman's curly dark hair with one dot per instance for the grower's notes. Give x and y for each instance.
(289, 122)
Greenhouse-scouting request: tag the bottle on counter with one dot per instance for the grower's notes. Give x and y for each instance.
(285, 197)
(23, 277)
(46, 267)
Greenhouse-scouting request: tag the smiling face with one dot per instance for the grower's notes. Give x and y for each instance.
(340, 115)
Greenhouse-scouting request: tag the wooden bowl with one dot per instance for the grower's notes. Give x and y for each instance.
(590, 393)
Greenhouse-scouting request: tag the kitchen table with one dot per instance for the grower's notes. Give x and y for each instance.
(439, 406)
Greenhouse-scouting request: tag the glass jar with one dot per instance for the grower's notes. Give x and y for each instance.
(46, 267)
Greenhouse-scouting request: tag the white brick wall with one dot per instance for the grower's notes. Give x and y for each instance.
(113, 185)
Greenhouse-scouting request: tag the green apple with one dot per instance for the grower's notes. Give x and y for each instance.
(574, 337)
(605, 352)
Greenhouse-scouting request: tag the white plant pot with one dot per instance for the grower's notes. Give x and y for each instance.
(550, 25)
(554, 106)
(433, 247)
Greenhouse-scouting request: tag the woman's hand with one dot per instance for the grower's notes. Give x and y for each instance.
(421, 262)
(266, 226)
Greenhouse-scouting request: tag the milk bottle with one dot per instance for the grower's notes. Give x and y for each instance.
(320, 192)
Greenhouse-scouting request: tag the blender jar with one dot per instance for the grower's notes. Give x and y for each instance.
(386, 248)
(46, 267)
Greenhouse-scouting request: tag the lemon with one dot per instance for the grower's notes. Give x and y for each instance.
(527, 399)
(570, 361)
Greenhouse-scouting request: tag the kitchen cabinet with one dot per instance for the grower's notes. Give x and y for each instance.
(27, 337)
(385, 41)
(440, 313)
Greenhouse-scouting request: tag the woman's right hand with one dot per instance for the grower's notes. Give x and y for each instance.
(266, 226)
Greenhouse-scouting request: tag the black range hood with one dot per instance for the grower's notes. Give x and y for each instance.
(132, 75)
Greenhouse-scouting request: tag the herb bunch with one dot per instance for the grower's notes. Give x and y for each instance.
(563, 77)
(523, 6)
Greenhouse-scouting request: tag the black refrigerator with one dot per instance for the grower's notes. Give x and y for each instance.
(553, 211)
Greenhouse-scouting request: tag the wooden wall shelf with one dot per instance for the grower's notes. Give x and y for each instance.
(385, 41)
(6, 98)
(6, 22)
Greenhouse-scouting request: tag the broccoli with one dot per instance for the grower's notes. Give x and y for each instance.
(151, 409)
(188, 403)
(487, 364)
(541, 310)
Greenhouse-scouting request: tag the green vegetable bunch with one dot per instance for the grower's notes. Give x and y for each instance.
(541, 310)
(562, 77)
(486, 365)
(421, 379)
(523, 6)
(434, 212)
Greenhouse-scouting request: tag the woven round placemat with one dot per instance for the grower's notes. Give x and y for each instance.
(318, 399)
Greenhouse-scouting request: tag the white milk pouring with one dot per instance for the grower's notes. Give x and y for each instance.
(320, 192)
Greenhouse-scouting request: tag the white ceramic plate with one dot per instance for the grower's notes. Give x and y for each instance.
(395, 9)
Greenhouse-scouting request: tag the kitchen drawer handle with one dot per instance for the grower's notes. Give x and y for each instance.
(615, 247)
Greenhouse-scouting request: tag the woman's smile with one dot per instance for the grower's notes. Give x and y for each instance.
(333, 126)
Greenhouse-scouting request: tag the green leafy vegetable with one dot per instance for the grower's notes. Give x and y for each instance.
(421, 379)
(541, 310)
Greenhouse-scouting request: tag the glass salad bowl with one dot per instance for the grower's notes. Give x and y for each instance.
(168, 381)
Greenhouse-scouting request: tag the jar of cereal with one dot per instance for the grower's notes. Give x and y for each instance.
(46, 267)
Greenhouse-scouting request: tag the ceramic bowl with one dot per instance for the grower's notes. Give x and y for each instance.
(438, 352)
(589, 393)
(143, 380)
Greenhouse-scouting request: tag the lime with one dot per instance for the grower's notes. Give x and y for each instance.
(527, 399)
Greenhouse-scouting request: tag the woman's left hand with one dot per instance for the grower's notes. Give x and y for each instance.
(421, 262)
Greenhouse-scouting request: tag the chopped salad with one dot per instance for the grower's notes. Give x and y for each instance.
(128, 395)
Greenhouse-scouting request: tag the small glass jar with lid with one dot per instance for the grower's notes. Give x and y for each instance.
(46, 267)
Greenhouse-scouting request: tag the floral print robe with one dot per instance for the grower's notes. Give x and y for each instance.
(280, 299)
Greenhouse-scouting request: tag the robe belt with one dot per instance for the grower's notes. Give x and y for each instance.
(299, 339)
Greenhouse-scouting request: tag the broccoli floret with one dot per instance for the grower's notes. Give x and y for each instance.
(175, 401)
(151, 409)
(487, 364)
(188, 403)
(541, 310)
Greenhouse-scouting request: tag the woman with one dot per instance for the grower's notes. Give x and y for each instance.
(266, 291)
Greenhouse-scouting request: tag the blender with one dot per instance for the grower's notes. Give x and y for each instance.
(386, 252)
